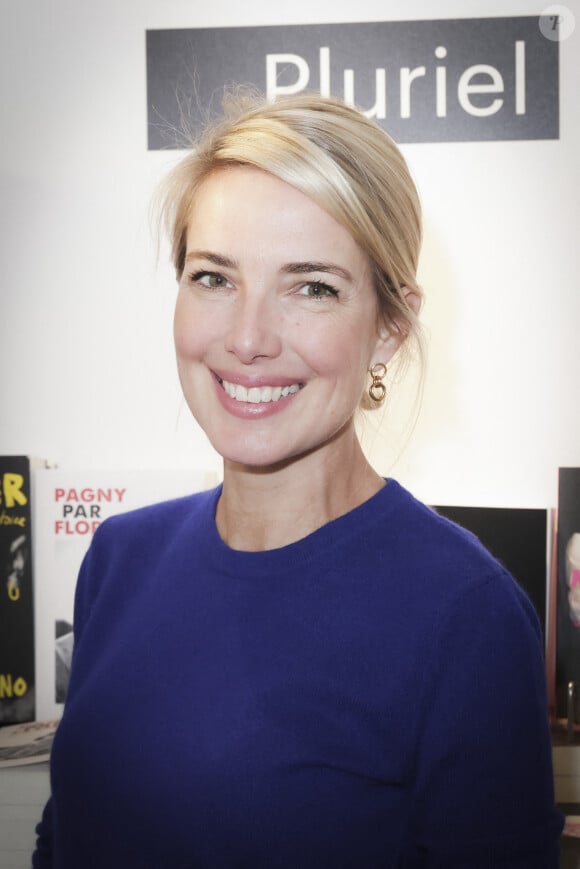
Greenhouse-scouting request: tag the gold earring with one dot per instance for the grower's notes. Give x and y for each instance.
(377, 389)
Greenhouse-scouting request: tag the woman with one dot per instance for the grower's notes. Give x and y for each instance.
(306, 667)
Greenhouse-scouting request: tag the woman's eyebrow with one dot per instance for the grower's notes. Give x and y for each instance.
(300, 268)
(217, 259)
(295, 268)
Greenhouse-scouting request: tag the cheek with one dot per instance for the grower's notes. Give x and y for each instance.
(184, 345)
(343, 351)
(187, 336)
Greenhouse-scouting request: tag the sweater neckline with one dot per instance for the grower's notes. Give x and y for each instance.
(316, 546)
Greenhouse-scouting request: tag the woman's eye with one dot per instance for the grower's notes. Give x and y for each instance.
(317, 290)
(211, 280)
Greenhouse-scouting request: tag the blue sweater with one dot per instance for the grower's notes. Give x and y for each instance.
(370, 696)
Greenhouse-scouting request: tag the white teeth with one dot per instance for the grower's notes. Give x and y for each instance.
(257, 394)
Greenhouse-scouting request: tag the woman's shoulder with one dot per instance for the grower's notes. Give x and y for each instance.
(428, 533)
(154, 523)
(128, 547)
(441, 558)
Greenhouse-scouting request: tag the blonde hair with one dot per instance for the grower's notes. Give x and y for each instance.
(339, 158)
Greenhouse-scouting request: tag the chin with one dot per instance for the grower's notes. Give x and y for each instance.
(266, 450)
(259, 454)
(259, 459)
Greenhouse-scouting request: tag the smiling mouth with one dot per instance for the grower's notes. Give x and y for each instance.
(258, 394)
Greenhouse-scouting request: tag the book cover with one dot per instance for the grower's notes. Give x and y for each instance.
(69, 505)
(568, 617)
(17, 683)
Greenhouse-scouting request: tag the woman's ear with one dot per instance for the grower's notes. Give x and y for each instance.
(413, 298)
(392, 333)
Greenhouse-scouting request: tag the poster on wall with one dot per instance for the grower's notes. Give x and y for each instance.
(453, 80)
(16, 593)
(69, 505)
(568, 620)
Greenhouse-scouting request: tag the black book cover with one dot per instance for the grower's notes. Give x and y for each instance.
(568, 621)
(16, 593)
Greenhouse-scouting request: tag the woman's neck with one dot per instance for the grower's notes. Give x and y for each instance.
(267, 508)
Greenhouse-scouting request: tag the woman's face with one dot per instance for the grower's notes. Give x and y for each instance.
(275, 322)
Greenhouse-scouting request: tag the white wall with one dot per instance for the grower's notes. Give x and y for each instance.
(88, 376)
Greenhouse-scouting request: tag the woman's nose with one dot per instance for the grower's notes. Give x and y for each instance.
(254, 330)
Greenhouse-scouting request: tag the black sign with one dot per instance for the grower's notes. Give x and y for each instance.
(424, 81)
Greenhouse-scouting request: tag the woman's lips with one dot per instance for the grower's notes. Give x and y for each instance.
(255, 400)
(258, 394)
